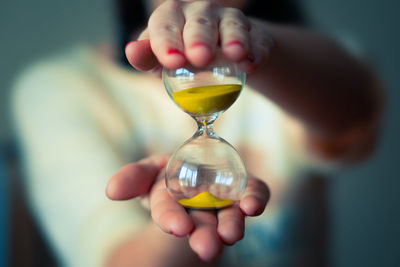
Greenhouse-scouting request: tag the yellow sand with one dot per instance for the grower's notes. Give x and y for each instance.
(207, 99)
(205, 200)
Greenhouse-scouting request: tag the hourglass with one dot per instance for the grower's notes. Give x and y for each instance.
(206, 172)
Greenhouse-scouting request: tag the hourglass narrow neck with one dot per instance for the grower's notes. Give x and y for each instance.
(205, 126)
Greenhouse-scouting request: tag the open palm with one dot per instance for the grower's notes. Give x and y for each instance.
(208, 230)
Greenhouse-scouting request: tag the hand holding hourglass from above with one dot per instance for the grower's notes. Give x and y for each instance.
(206, 172)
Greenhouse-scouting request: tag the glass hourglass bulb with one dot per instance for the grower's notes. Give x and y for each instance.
(206, 172)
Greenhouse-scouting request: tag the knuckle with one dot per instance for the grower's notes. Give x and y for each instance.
(205, 5)
(172, 4)
(202, 21)
(163, 11)
(234, 12)
(232, 23)
(236, 18)
(201, 7)
(159, 24)
(169, 28)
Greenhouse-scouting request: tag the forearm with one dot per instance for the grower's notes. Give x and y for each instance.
(316, 81)
(152, 247)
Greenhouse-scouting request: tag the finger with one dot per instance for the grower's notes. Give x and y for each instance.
(140, 55)
(165, 31)
(168, 214)
(234, 31)
(144, 35)
(261, 44)
(135, 179)
(204, 240)
(200, 33)
(255, 197)
(230, 224)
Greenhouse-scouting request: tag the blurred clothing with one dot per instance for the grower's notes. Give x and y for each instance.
(80, 117)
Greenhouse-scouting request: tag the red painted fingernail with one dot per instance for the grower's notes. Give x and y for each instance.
(200, 44)
(173, 51)
(176, 235)
(234, 43)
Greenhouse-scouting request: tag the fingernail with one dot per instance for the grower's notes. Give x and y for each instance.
(235, 43)
(173, 51)
(173, 233)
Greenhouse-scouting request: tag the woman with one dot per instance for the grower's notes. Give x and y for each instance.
(309, 106)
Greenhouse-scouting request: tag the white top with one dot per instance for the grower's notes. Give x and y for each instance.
(80, 117)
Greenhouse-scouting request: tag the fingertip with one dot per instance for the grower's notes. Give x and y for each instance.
(115, 189)
(252, 206)
(175, 221)
(140, 55)
(230, 225)
(129, 52)
(205, 245)
(181, 227)
(129, 46)
(173, 59)
(230, 234)
(112, 189)
(235, 51)
(119, 188)
(200, 54)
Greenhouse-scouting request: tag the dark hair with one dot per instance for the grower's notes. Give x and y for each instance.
(132, 16)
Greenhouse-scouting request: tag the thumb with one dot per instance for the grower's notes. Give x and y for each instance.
(135, 179)
(140, 55)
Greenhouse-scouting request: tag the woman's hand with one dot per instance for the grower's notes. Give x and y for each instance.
(331, 93)
(179, 32)
(208, 231)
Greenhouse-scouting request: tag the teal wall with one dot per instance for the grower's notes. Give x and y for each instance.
(365, 200)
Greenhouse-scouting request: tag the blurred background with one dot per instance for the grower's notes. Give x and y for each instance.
(364, 201)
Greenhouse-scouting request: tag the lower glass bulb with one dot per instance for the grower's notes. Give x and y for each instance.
(206, 172)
